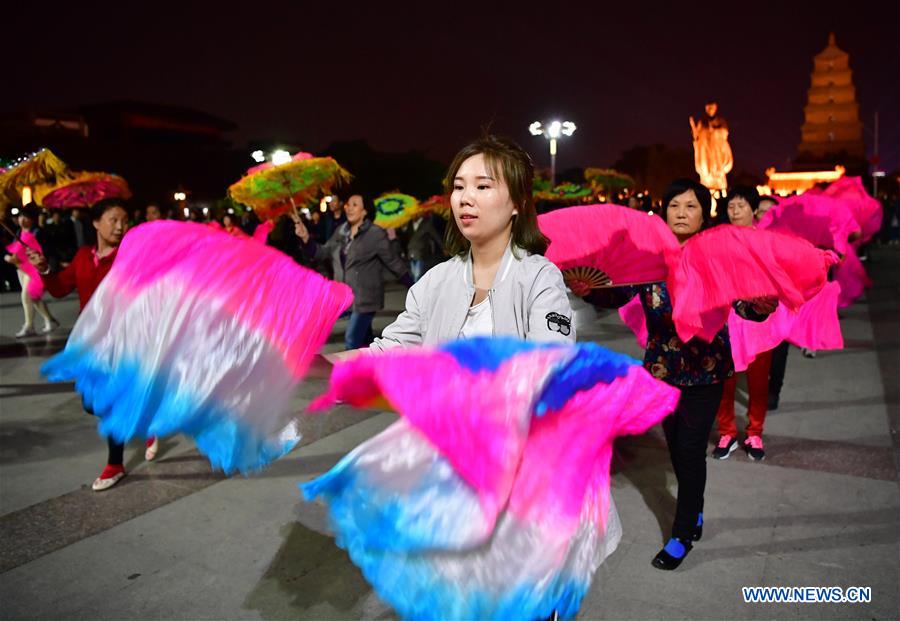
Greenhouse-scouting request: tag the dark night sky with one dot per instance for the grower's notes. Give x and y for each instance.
(430, 78)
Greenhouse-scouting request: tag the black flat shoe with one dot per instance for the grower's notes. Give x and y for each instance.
(665, 561)
(697, 534)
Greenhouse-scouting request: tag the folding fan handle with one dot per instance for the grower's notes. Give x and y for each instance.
(581, 280)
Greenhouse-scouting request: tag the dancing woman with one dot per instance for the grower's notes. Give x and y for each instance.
(697, 368)
(743, 202)
(497, 282)
(83, 274)
(359, 253)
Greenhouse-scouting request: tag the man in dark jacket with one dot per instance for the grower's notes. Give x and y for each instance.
(358, 251)
(424, 247)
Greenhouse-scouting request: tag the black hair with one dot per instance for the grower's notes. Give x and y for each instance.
(101, 207)
(680, 186)
(748, 193)
(30, 211)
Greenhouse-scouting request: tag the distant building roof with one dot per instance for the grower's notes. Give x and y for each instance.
(147, 115)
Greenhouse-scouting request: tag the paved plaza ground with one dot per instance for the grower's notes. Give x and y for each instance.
(176, 541)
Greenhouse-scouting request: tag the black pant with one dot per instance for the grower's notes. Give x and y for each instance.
(116, 452)
(687, 434)
(776, 372)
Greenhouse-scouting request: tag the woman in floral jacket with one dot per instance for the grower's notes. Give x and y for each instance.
(698, 368)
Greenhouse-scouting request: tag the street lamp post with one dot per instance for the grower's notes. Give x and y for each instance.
(552, 132)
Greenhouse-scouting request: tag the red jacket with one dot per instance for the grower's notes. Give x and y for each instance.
(84, 273)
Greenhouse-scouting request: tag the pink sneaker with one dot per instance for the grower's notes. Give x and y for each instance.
(754, 447)
(727, 445)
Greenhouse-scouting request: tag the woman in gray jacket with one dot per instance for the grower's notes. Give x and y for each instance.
(497, 281)
(358, 250)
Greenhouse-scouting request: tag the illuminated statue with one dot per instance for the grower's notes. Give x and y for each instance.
(712, 154)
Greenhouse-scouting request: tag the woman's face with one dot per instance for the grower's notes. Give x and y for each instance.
(112, 225)
(227, 221)
(765, 204)
(355, 210)
(25, 222)
(684, 215)
(482, 207)
(739, 211)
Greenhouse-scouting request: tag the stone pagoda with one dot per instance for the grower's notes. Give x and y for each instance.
(832, 131)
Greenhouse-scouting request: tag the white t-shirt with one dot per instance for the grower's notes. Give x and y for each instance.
(479, 321)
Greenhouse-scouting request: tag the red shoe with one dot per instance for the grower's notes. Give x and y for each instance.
(152, 448)
(111, 475)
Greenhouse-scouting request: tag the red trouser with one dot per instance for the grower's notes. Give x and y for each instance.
(758, 386)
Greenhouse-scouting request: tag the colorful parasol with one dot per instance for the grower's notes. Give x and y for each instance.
(83, 190)
(564, 192)
(393, 210)
(40, 168)
(272, 190)
(438, 204)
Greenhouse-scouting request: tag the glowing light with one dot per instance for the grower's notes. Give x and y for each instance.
(536, 128)
(205, 210)
(323, 204)
(14, 211)
(878, 173)
(258, 156)
(26, 195)
(187, 212)
(568, 128)
(783, 183)
(230, 210)
(180, 196)
(280, 157)
(554, 130)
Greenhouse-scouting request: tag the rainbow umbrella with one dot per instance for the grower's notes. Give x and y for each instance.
(83, 190)
(272, 190)
(394, 209)
(40, 168)
(564, 192)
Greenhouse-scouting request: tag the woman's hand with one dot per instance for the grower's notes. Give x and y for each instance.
(764, 305)
(301, 231)
(38, 260)
(11, 258)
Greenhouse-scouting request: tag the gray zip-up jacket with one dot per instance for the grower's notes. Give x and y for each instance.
(362, 269)
(528, 300)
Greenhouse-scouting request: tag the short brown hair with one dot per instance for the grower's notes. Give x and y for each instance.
(510, 163)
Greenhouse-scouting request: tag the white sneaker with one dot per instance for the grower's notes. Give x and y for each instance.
(25, 331)
(50, 327)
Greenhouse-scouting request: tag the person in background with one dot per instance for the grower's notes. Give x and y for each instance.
(152, 213)
(28, 222)
(334, 217)
(423, 247)
(9, 280)
(742, 210)
(358, 251)
(58, 240)
(765, 204)
(89, 267)
(84, 233)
